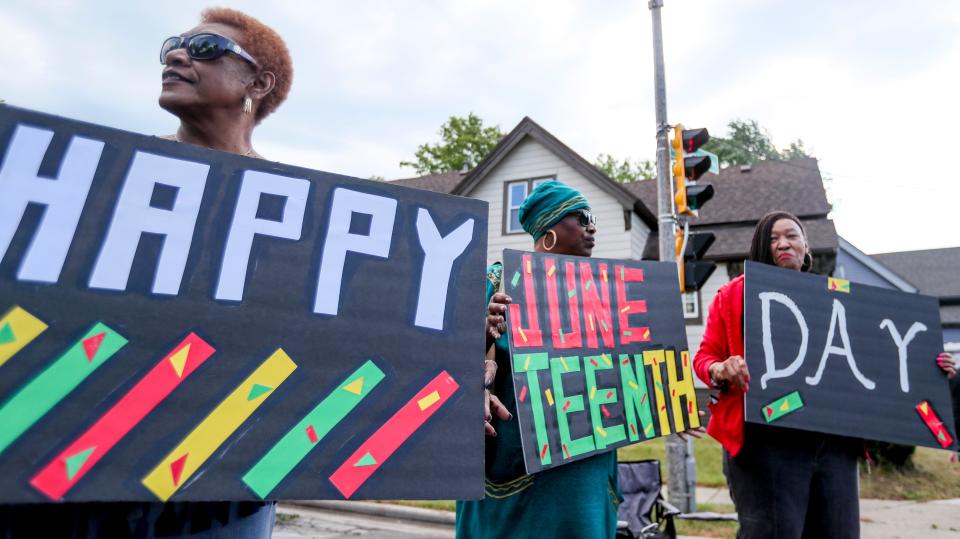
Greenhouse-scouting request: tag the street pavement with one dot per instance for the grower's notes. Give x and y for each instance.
(879, 519)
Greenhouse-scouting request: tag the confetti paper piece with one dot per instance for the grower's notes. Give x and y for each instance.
(646, 334)
(551, 271)
(549, 395)
(516, 279)
(604, 325)
(391, 435)
(218, 425)
(625, 361)
(587, 286)
(603, 273)
(18, 328)
(563, 361)
(625, 309)
(572, 292)
(543, 452)
(933, 423)
(523, 393)
(529, 267)
(601, 432)
(838, 285)
(429, 400)
(609, 394)
(782, 406)
(565, 406)
(526, 364)
(594, 362)
(561, 335)
(155, 386)
(593, 392)
(606, 359)
(590, 322)
(634, 385)
(627, 333)
(633, 429)
(38, 396)
(522, 334)
(312, 434)
(603, 408)
(565, 452)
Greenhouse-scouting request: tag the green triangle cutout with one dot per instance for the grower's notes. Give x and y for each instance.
(366, 460)
(75, 461)
(6, 334)
(257, 390)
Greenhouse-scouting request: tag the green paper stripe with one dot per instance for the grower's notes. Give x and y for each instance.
(775, 411)
(516, 279)
(48, 388)
(284, 456)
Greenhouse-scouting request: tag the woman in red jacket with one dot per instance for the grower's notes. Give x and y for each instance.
(785, 483)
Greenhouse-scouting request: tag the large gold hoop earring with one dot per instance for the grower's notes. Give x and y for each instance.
(552, 245)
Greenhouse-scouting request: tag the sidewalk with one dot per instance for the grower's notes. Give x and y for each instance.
(886, 519)
(879, 519)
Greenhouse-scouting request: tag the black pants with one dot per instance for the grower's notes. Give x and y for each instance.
(791, 484)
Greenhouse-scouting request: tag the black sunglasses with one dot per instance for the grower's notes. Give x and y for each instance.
(203, 47)
(585, 218)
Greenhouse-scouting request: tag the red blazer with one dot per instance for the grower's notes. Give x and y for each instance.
(724, 338)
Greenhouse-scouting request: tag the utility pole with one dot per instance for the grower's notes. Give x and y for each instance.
(681, 467)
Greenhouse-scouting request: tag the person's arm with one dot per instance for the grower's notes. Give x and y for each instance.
(713, 347)
(713, 364)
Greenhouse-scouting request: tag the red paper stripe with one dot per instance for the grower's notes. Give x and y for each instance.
(348, 477)
(142, 398)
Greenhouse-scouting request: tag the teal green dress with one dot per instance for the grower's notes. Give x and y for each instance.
(577, 500)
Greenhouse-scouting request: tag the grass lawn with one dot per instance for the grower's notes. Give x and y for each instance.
(934, 477)
(706, 450)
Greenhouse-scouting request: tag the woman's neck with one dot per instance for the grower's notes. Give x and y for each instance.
(229, 136)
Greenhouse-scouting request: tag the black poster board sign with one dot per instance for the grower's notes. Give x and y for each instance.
(832, 356)
(183, 324)
(599, 354)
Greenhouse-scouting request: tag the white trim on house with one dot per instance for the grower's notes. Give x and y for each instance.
(875, 266)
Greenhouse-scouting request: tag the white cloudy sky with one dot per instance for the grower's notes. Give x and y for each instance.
(870, 86)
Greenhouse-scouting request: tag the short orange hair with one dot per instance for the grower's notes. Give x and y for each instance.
(265, 45)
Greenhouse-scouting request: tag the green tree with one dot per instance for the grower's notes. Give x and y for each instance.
(626, 170)
(748, 142)
(464, 143)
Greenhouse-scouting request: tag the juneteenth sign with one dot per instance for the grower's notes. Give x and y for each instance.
(183, 324)
(599, 354)
(832, 356)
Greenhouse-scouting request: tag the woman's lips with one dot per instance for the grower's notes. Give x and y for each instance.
(783, 256)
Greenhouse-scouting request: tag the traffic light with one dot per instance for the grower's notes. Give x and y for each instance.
(688, 168)
(694, 272)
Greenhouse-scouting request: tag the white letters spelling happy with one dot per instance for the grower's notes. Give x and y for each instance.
(65, 196)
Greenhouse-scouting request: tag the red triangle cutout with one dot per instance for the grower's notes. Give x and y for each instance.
(769, 411)
(176, 468)
(92, 344)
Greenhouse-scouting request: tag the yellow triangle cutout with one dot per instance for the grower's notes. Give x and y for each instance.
(923, 406)
(179, 360)
(785, 406)
(355, 387)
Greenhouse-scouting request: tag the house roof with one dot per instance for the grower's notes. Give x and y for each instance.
(875, 266)
(456, 183)
(933, 272)
(745, 194)
(443, 182)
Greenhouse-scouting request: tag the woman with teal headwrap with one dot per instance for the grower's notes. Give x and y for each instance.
(579, 499)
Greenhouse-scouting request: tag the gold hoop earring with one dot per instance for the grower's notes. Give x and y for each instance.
(552, 245)
(247, 105)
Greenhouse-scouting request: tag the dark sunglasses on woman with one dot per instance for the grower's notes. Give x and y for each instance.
(204, 46)
(585, 218)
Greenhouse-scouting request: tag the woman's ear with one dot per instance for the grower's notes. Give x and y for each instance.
(262, 85)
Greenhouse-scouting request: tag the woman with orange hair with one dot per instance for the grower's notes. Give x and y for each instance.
(220, 78)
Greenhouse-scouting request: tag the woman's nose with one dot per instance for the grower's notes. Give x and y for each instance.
(177, 56)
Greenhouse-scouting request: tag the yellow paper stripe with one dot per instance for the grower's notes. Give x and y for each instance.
(549, 396)
(25, 328)
(219, 425)
(563, 361)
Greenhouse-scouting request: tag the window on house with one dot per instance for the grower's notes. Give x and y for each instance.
(691, 304)
(516, 193)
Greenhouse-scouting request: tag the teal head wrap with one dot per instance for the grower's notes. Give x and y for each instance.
(547, 205)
